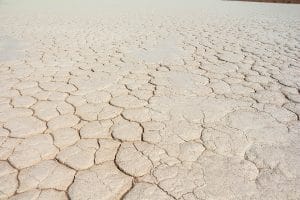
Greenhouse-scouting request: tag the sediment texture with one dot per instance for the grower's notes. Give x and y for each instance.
(153, 105)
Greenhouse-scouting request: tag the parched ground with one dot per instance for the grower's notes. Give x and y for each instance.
(155, 101)
(275, 1)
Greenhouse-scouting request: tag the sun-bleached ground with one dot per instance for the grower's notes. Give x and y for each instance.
(149, 100)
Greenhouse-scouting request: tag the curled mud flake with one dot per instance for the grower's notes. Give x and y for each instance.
(131, 161)
(127, 101)
(63, 121)
(96, 129)
(24, 127)
(80, 155)
(146, 191)
(47, 174)
(101, 182)
(137, 114)
(8, 180)
(127, 131)
(32, 150)
(23, 101)
(65, 137)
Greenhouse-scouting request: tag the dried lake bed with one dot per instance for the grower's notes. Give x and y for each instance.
(149, 100)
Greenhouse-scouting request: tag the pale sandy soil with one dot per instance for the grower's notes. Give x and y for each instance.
(149, 100)
(274, 1)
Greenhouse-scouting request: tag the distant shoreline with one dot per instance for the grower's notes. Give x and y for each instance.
(273, 1)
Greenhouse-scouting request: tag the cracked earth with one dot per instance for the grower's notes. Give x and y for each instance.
(153, 105)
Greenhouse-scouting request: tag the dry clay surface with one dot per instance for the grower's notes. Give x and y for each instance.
(199, 101)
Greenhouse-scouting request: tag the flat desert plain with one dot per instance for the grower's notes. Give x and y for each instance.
(275, 1)
(149, 100)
